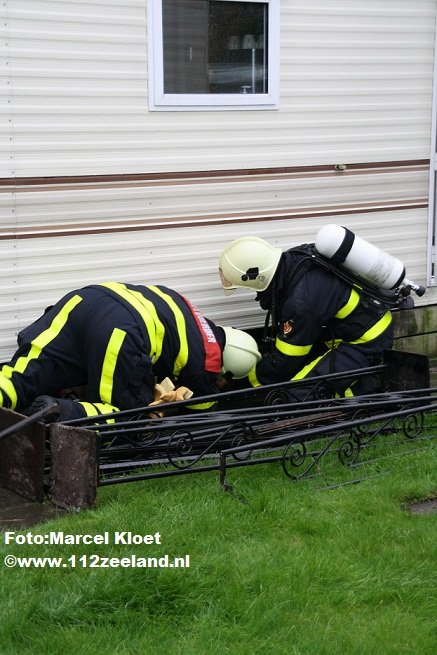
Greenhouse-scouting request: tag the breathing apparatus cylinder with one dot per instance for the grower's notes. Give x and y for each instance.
(344, 248)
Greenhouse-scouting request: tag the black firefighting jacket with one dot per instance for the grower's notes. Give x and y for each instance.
(313, 307)
(116, 340)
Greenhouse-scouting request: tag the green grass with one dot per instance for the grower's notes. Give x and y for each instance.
(294, 569)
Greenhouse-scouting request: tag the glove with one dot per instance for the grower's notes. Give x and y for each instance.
(44, 402)
(61, 409)
(165, 392)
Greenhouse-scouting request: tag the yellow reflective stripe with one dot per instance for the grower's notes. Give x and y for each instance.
(201, 405)
(8, 388)
(290, 349)
(334, 343)
(89, 408)
(147, 312)
(95, 409)
(307, 369)
(109, 363)
(159, 327)
(40, 342)
(253, 379)
(349, 307)
(376, 330)
(348, 393)
(182, 357)
(106, 408)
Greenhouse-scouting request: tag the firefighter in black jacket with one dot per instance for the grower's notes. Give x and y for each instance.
(322, 324)
(117, 341)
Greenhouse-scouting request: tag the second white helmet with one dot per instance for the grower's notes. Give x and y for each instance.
(248, 262)
(240, 353)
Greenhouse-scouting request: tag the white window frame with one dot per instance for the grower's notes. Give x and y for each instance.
(431, 268)
(160, 101)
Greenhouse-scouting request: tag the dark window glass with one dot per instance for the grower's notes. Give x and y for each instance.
(214, 47)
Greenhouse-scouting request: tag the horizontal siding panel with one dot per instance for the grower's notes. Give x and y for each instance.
(166, 202)
(36, 272)
(74, 63)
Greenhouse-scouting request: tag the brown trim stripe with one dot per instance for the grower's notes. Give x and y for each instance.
(213, 219)
(126, 178)
(15, 189)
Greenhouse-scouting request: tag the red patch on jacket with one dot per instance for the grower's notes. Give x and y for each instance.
(287, 327)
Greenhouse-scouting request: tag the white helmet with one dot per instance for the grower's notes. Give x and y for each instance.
(240, 353)
(248, 262)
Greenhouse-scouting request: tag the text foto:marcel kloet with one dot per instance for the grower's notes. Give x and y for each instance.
(58, 538)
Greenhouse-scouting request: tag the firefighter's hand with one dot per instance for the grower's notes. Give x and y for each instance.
(165, 392)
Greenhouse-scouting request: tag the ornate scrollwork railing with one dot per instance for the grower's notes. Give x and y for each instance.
(280, 427)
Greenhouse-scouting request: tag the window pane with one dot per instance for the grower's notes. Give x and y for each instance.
(211, 46)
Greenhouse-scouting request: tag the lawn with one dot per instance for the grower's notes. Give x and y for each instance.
(276, 567)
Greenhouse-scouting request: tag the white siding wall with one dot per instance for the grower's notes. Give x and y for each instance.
(356, 86)
(35, 272)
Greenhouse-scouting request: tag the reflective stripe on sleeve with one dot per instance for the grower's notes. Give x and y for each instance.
(291, 349)
(109, 363)
(349, 307)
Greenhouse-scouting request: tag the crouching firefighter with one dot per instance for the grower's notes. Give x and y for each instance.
(116, 341)
(321, 323)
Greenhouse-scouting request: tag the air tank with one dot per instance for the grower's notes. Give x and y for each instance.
(344, 248)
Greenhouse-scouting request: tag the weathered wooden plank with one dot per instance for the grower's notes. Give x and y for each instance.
(22, 457)
(74, 467)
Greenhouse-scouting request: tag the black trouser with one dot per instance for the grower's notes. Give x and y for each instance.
(346, 357)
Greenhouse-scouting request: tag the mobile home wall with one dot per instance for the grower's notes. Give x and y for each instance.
(94, 186)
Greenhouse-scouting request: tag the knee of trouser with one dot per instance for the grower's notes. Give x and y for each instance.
(56, 409)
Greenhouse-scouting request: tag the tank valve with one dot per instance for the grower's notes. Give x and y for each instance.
(418, 289)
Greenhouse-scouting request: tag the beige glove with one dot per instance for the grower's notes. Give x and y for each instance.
(165, 392)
